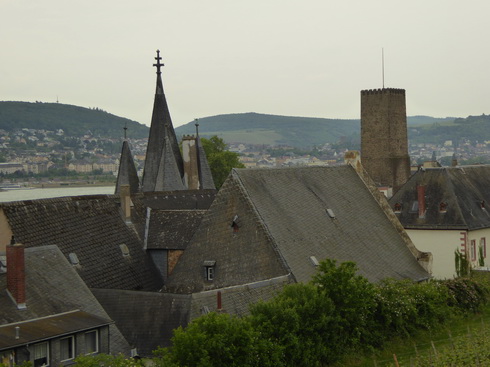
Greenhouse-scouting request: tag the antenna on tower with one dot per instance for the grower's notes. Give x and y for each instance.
(383, 65)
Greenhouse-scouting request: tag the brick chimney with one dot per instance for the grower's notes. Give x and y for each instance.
(421, 200)
(16, 277)
(124, 194)
(191, 169)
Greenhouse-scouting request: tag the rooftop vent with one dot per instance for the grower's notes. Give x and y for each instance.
(73, 258)
(330, 213)
(124, 249)
(482, 204)
(314, 261)
(235, 224)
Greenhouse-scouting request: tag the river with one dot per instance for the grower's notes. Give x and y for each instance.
(53, 192)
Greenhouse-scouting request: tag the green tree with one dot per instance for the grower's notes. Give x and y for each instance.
(221, 161)
(217, 340)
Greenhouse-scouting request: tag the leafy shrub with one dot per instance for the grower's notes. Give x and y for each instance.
(301, 321)
(105, 360)
(466, 294)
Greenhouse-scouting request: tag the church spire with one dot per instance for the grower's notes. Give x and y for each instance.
(162, 139)
(127, 174)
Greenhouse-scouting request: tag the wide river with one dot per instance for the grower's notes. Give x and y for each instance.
(53, 192)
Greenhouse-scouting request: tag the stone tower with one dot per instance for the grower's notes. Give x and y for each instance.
(384, 140)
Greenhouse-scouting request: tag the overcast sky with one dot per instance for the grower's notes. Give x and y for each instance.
(295, 58)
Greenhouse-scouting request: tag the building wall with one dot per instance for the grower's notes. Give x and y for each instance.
(443, 243)
(384, 139)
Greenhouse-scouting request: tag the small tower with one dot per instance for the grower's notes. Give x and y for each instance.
(127, 174)
(384, 139)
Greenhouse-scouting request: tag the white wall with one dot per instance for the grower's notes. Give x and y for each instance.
(443, 243)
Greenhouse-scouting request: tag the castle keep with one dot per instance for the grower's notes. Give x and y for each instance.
(384, 141)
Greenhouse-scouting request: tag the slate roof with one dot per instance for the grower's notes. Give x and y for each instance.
(92, 228)
(283, 221)
(461, 188)
(205, 177)
(172, 229)
(49, 327)
(161, 129)
(53, 287)
(127, 174)
(146, 319)
(171, 200)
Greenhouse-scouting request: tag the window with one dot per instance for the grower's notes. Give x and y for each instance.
(483, 246)
(209, 266)
(473, 250)
(91, 342)
(41, 354)
(67, 348)
(210, 273)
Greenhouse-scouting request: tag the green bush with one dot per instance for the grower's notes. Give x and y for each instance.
(465, 294)
(302, 322)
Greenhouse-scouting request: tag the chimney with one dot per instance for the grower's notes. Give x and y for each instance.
(421, 200)
(218, 299)
(124, 194)
(191, 170)
(16, 276)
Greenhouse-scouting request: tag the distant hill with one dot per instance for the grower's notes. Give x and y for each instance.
(255, 128)
(74, 120)
(250, 128)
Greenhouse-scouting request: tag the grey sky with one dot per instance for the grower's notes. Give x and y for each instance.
(298, 58)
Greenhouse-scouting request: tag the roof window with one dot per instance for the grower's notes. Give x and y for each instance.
(209, 267)
(73, 258)
(398, 208)
(314, 260)
(443, 207)
(124, 249)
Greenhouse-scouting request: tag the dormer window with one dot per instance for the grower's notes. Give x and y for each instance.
(209, 270)
(235, 224)
(443, 207)
(398, 208)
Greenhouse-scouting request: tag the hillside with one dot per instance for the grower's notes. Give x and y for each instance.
(74, 120)
(255, 128)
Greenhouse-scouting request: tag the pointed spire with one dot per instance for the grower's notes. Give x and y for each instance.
(160, 130)
(168, 178)
(127, 174)
(205, 175)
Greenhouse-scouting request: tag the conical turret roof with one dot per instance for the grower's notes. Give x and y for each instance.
(127, 174)
(161, 130)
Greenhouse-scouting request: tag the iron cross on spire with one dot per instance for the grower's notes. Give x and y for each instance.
(125, 130)
(158, 64)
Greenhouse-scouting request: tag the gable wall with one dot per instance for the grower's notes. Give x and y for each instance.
(241, 257)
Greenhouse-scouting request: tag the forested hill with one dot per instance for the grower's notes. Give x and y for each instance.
(74, 120)
(255, 128)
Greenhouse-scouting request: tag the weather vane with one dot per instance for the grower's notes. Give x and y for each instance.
(158, 64)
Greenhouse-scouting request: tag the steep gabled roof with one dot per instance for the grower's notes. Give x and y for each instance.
(266, 223)
(168, 176)
(161, 129)
(205, 176)
(172, 229)
(53, 287)
(127, 174)
(147, 319)
(464, 190)
(91, 227)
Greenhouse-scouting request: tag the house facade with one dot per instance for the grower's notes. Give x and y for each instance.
(443, 210)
